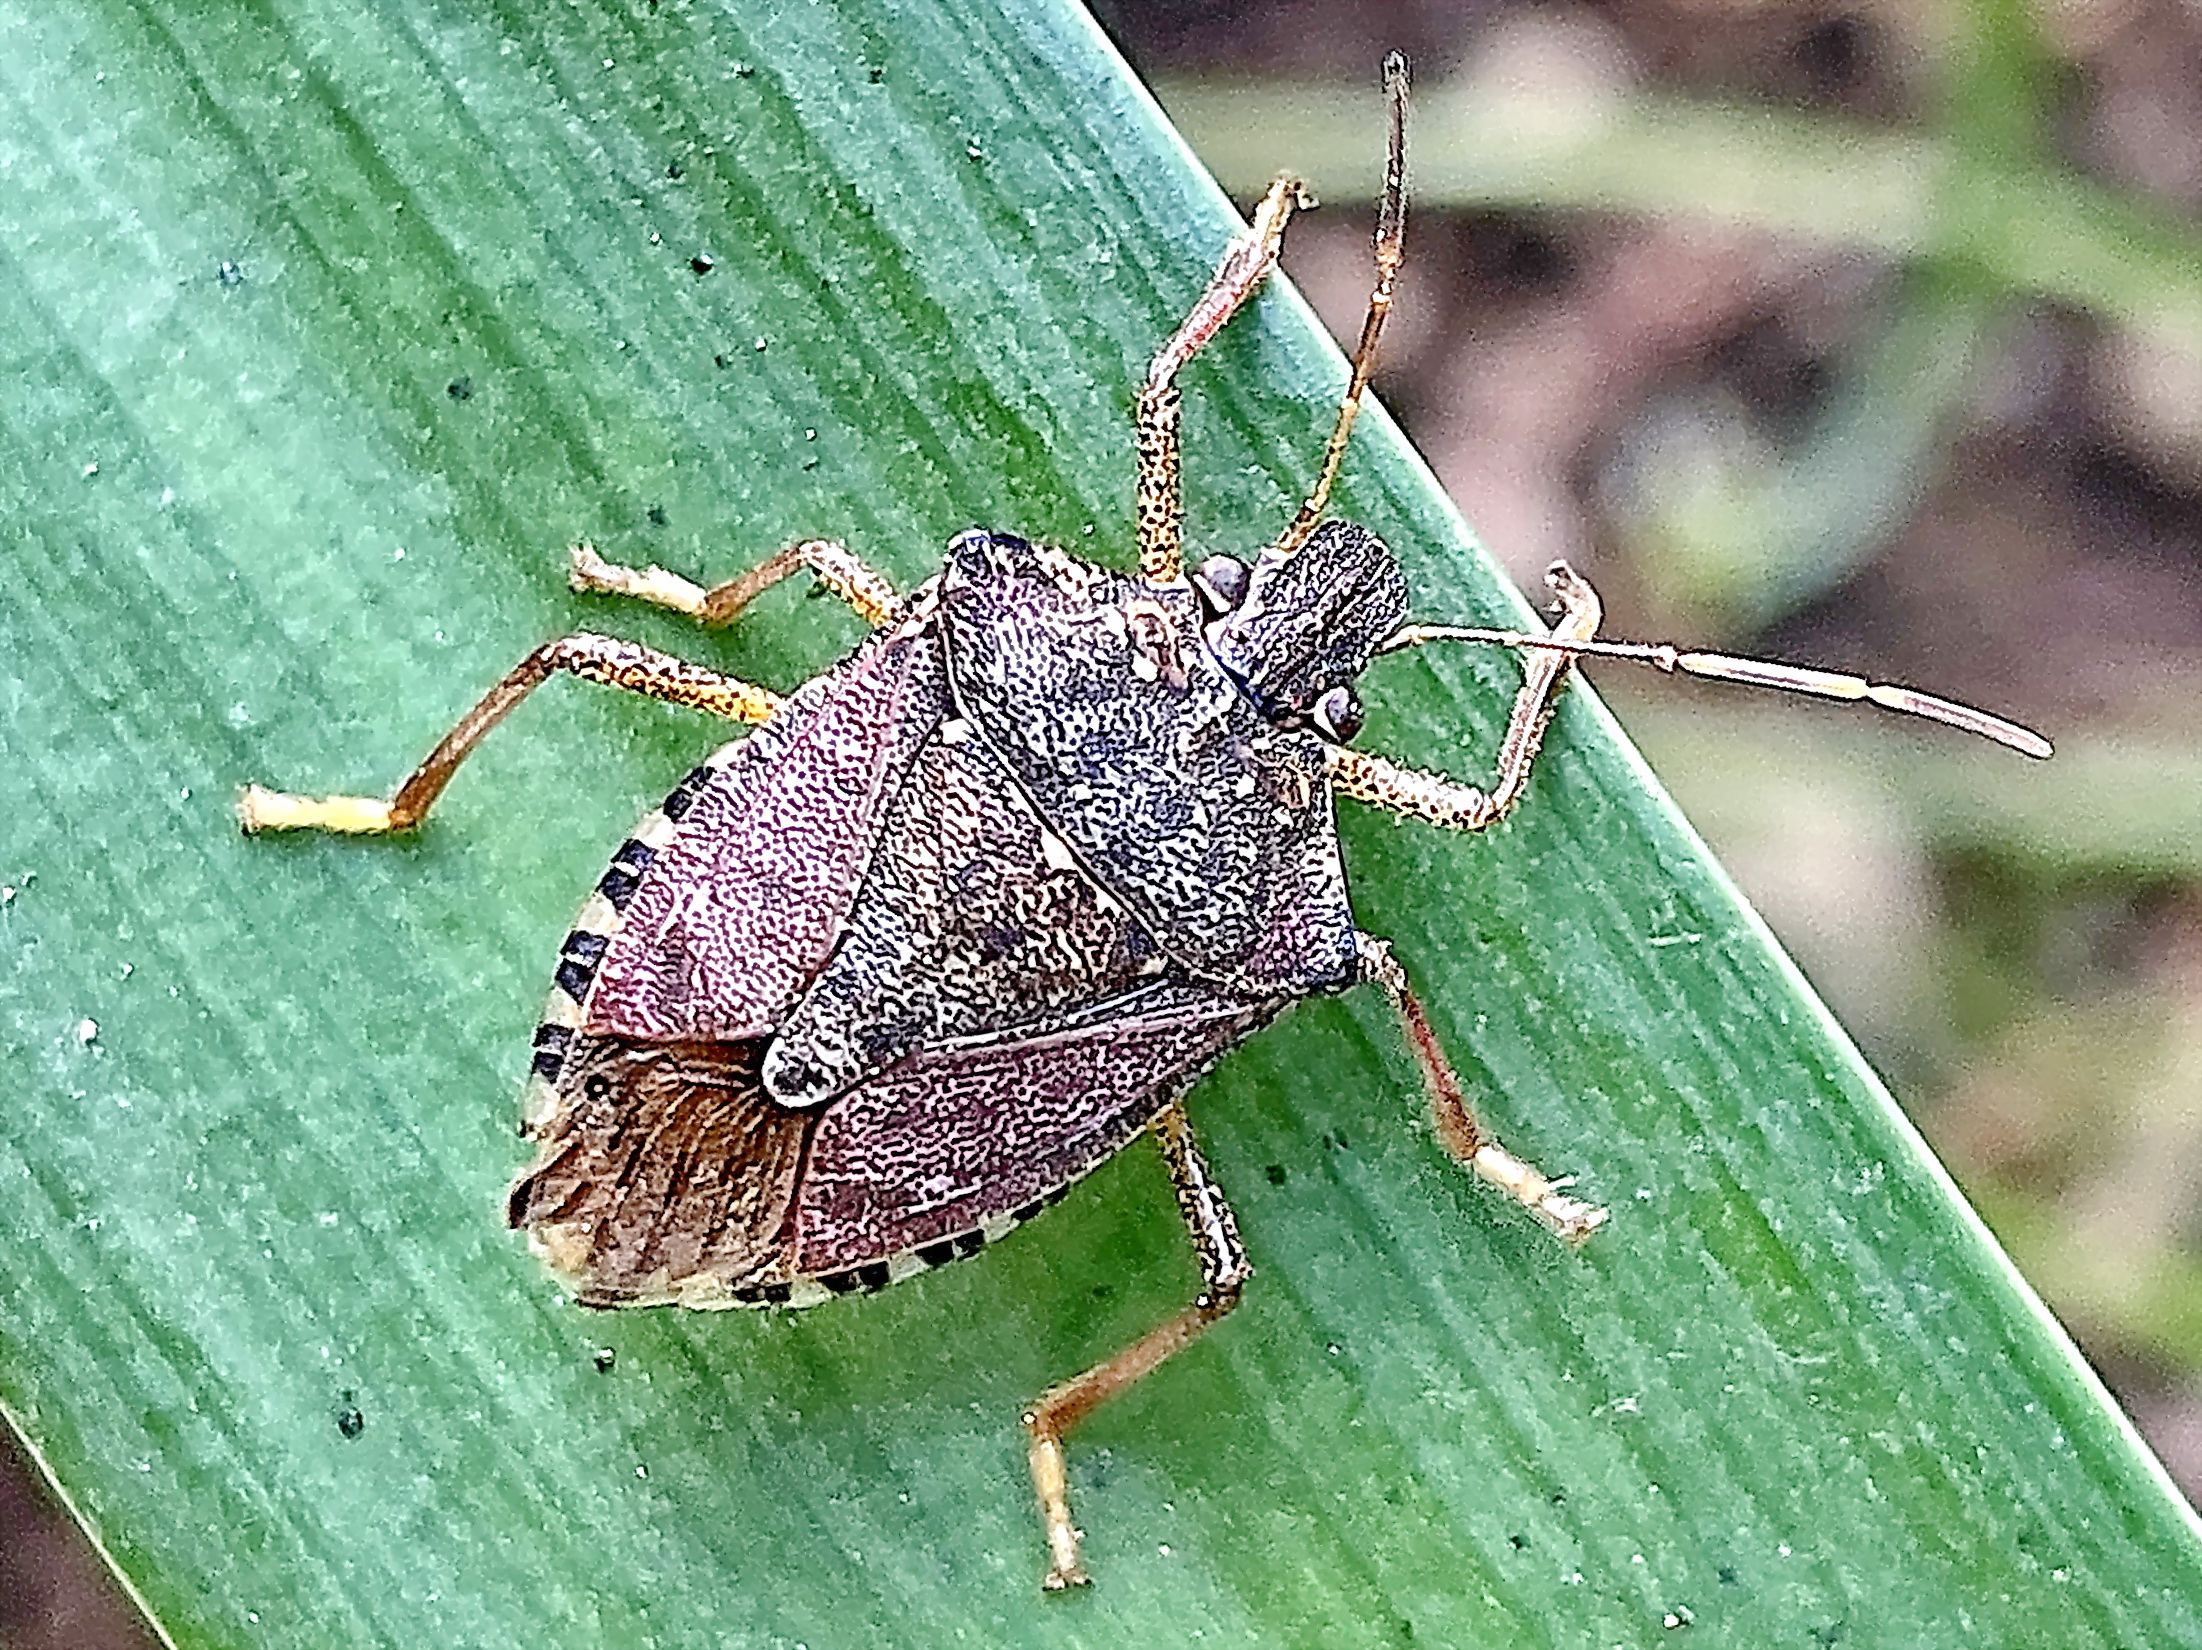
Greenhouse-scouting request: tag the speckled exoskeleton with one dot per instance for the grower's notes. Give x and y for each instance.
(977, 906)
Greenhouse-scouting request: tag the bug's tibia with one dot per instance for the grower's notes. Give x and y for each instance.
(1568, 1218)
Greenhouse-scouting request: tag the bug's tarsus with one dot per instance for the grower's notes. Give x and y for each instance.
(605, 659)
(836, 567)
(1728, 667)
(1440, 801)
(1223, 1273)
(1458, 1129)
(1391, 237)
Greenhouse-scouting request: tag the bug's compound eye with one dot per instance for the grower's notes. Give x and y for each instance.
(1337, 715)
(1220, 583)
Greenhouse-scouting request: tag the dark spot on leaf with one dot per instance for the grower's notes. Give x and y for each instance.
(460, 388)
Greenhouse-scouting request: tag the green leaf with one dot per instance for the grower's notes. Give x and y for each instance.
(328, 326)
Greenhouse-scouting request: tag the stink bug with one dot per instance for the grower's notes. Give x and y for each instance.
(977, 906)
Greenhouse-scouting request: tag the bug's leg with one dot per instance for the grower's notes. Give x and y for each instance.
(837, 569)
(1457, 1128)
(1458, 807)
(603, 659)
(1223, 1274)
(1246, 263)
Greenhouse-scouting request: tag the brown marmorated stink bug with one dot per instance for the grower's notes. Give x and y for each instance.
(968, 912)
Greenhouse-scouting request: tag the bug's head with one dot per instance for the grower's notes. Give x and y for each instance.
(1293, 631)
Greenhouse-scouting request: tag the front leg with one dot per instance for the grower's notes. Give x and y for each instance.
(1159, 501)
(1457, 807)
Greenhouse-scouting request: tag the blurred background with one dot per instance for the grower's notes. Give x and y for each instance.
(1866, 335)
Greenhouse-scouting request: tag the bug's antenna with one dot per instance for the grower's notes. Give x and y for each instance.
(1727, 667)
(1391, 235)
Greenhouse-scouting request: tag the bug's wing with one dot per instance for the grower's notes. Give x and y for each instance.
(668, 1176)
(966, 1138)
(665, 1174)
(1176, 795)
(966, 925)
(740, 907)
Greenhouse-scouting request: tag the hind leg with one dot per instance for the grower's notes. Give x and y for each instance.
(605, 659)
(1223, 1274)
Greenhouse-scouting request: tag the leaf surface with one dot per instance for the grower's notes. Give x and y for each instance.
(328, 326)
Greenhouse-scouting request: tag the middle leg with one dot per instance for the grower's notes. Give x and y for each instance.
(837, 569)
